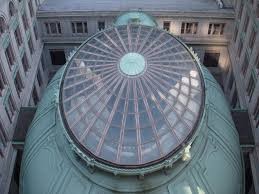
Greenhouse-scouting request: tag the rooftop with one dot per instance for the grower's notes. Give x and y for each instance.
(125, 5)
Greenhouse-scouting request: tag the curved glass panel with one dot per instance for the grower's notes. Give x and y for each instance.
(131, 95)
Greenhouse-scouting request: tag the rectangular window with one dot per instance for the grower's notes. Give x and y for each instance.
(35, 30)
(31, 48)
(234, 99)
(25, 63)
(57, 57)
(256, 113)
(10, 108)
(18, 84)
(240, 10)
(211, 59)
(18, 36)
(166, 25)
(3, 139)
(257, 62)
(231, 80)
(39, 78)
(250, 87)
(31, 8)
(189, 28)
(10, 56)
(3, 81)
(216, 29)
(246, 22)
(252, 38)
(79, 27)
(240, 48)
(257, 10)
(235, 34)
(101, 25)
(25, 21)
(53, 28)
(35, 96)
(245, 65)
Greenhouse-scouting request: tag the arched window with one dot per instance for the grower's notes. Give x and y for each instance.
(2, 26)
(11, 9)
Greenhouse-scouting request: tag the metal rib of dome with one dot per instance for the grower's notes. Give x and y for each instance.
(131, 96)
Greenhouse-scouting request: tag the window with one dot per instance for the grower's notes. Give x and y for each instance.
(35, 32)
(257, 62)
(25, 63)
(3, 81)
(39, 78)
(10, 56)
(58, 57)
(257, 10)
(256, 113)
(11, 9)
(211, 59)
(101, 25)
(240, 47)
(43, 63)
(3, 139)
(231, 80)
(251, 86)
(189, 28)
(18, 36)
(31, 48)
(53, 28)
(235, 34)
(35, 96)
(246, 23)
(10, 108)
(245, 65)
(31, 8)
(25, 21)
(240, 10)
(2, 26)
(234, 100)
(252, 38)
(18, 84)
(216, 29)
(166, 26)
(79, 27)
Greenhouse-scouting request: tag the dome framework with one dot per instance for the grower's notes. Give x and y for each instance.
(131, 96)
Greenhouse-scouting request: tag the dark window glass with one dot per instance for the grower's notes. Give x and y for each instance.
(250, 87)
(31, 8)
(189, 28)
(211, 59)
(25, 63)
(35, 96)
(31, 48)
(256, 112)
(10, 56)
(2, 26)
(18, 83)
(10, 108)
(166, 26)
(240, 48)
(252, 39)
(25, 21)
(245, 65)
(246, 22)
(39, 78)
(231, 80)
(58, 57)
(18, 36)
(35, 30)
(3, 81)
(101, 25)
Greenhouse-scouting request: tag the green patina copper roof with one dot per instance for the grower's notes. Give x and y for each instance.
(208, 161)
(135, 18)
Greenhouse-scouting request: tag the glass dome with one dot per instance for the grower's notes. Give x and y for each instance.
(131, 96)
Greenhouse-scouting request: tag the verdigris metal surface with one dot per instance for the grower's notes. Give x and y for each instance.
(50, 166)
